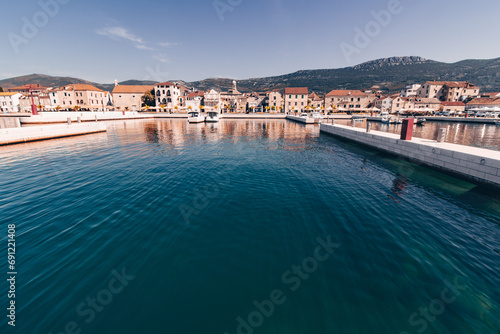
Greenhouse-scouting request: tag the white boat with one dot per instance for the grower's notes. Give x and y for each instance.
(212, 117)
(195, 117)
(317, 117)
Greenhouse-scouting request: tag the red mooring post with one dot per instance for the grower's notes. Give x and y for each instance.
(407, 130)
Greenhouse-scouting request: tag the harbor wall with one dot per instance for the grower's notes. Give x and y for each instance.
(35, 133)
(477, 164)
(85, 116)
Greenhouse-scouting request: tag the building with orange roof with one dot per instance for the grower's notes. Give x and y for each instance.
(347, 99)
(129, 97)
(10, 101)
(451, 91)
(78, 96)
(296, 99)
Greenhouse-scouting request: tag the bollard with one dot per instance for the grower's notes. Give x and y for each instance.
(441, 135)
(352, 122)
(368, 126)
(96, 118)
(333, 121)
(79, 119)
(18, 122)
(407, 129)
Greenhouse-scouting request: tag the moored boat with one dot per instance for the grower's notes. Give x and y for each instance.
(195, 117)
(212, 117)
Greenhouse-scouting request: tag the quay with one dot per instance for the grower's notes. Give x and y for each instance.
(305, 120)
(476, 164)
(62, 117)
(478, 120)
(35, 133)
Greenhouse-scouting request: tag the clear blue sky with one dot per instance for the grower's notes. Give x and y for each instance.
(192, 40)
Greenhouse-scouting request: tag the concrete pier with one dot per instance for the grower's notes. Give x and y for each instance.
(477, 164)
(62, 117)
(35, 133)
(305, 120)
(478, 120)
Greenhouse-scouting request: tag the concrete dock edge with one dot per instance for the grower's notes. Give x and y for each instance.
(27, 134)
(476, 164)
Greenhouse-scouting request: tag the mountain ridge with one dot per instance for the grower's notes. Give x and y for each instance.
(390, 74)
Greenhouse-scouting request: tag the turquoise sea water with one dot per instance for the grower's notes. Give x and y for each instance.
(243, 227)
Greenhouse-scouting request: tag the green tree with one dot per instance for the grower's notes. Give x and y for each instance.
(1, 90)
(148, 99)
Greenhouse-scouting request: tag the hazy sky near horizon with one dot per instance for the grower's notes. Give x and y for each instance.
(192, 40)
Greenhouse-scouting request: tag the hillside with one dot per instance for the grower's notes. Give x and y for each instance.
(389, 73)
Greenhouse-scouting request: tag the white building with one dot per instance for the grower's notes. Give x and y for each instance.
(276, 101)
(212, 101)
(194, 100)
(9, 102)
(410, 90)
(169, 95)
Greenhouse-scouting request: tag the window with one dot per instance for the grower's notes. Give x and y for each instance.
(302, 96)
(290, 96)
(296, 96)
(295, 103)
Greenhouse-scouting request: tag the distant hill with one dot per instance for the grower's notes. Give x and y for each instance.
(390, 74)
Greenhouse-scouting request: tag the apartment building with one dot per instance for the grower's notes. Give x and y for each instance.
(296, 99)
(129, 97)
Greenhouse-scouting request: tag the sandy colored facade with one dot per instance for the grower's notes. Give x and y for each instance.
(81, 96)
(347, 100)
(451, 91)
(276, 101)
(129, 97)
(296, 99)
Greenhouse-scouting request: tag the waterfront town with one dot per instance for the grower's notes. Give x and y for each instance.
(432, 97)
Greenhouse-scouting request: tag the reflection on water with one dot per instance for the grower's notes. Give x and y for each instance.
(88, 205)
(479, 135)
